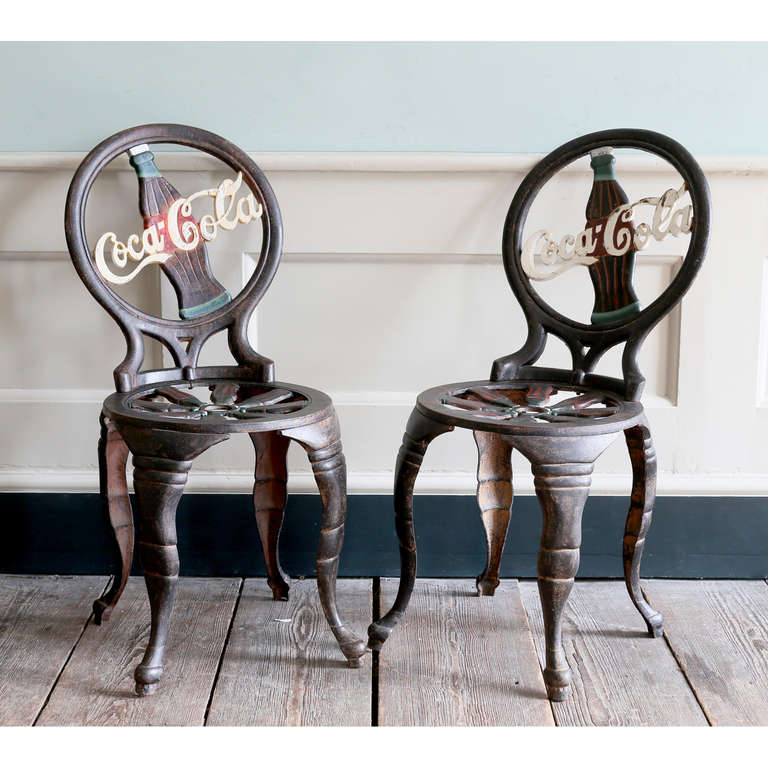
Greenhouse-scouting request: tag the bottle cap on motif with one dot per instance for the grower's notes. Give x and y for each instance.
(602, 163)
(138, 149)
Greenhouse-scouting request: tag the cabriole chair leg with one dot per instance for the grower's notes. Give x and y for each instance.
(562, 471)
(322, 442)
(269, 498)
(419, 433)
(159, 485)
(494, 496)
(562, 490)
(643, 457)
(116, 506)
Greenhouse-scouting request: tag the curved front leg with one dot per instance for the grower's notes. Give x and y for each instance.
(562, 490)
(643, 457)
(494, 496)
(159, 484)
(116, 506)
(161, 461)
(322, 442)
(562, 470)
(269, 497)
(419, 432)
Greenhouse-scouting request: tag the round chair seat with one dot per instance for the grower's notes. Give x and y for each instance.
(219, 405)
(529, 407)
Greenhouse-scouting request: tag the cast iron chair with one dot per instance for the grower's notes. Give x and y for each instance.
(517, 408)
(155, 414)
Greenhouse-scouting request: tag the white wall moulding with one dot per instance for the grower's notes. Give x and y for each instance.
(762, 368)
(383, 162)
(433, 483)
(294, 257)
(394, 260)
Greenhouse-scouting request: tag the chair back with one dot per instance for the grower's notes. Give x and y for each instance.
(616, 229)
(173, 239)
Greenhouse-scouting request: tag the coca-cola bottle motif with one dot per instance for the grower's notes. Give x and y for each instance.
(197, 290)
(615, 297)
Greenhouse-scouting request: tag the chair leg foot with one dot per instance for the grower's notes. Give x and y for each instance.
(655, 625)
(280, 592)
(146, 689)
(559, 692)
(101, 611)
(377, 635)
(147, 678)
(355, 655)
(486, 587)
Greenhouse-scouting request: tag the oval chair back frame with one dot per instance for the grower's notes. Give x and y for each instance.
(183, 338)
(588, 343)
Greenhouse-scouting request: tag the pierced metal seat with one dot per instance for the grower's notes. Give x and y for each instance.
(166, 418)
(525, 408)
(217, 405)
(563, 420)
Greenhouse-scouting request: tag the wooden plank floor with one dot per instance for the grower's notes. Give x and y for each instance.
(97, 686)
(620, 675)
(718, 631)
(457, 659)
(235, 657)
(282, 665)
(41, 620)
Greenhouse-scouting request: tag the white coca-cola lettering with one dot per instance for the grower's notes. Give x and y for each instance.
(542, 250)
(182, 233)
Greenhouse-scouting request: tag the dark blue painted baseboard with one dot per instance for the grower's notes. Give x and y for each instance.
(691, 537)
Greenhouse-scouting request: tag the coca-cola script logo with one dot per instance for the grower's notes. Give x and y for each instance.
(176, 231)
(543, 257)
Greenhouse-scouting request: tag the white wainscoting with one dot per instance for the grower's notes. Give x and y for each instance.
(391, 282)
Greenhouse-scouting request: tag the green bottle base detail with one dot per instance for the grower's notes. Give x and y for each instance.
(208, 306)
(615, 315)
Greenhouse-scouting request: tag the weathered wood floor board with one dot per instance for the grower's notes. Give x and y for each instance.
(41, 619)
(719, 633)
(620, 675)
(456, 659)
(97, 688)
(460, 659)
(282, 665)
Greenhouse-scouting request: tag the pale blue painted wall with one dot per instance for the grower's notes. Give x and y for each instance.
(456, 97)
